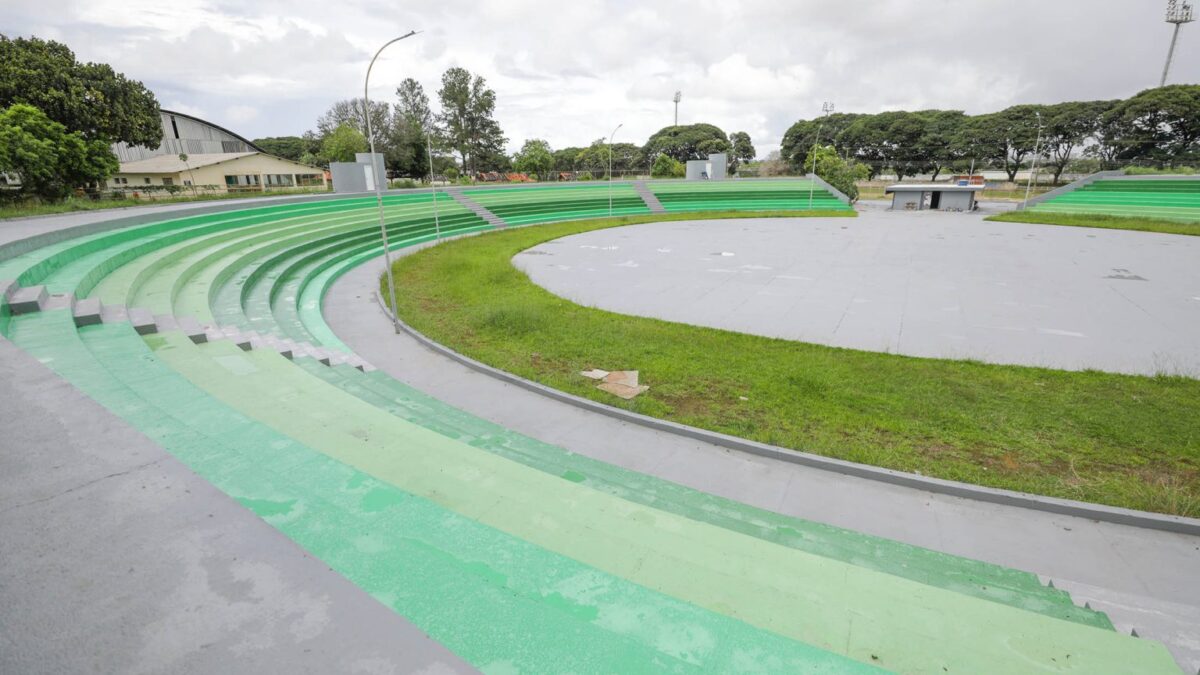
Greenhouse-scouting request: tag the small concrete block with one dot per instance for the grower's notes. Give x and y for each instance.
(143, 321)
(29, 299)
(87, 312)
(7, 286)
(192, 328)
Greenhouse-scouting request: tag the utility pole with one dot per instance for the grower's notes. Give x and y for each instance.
(826, 109)
(1179, 12)
(678, 97)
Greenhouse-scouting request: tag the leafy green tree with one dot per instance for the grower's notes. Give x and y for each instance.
(343, 143)
(287, 147)
(1005, 138)
(1067, 126)
(836, 171)
(626, 157)
(889, 139)
(535, 157)
(799, 139)
(666, 166)
(350, 112)
(89, 98)
(685, 142)
(743, 150)
(938, 147)
(467, 122)
(1161, 124)
(408, 138)
(48, 160)
(567, 159)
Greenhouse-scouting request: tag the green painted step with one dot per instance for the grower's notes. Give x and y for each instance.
(743, 577)
(495, 601)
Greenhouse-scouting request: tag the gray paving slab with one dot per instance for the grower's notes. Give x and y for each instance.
(934, 285)
(116, 558)
(1144, 567)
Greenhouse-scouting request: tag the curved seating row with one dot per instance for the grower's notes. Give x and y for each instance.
(514, 553)
(1130, 197)
(766, 195)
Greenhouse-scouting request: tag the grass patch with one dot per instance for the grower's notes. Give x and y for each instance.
(1111, 439)
(1101, 221)
(73, 204)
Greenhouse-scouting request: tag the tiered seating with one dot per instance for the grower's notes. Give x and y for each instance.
(765, 195)
(507, 550)
(526, 205)
(1137, 198)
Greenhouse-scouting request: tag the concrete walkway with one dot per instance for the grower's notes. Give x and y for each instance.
(117, 558)
(946, 285)
(1144, 579)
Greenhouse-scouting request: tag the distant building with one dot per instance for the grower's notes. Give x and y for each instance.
(218, 160)
(218, 172)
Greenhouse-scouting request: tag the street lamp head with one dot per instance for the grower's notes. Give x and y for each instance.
(827, 107)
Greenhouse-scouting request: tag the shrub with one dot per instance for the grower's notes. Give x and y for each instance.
(836, 171)
(1151, 171)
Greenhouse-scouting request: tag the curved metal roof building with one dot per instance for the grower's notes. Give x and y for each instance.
(186, 134)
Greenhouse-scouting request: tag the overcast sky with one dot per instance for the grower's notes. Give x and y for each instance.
(570, 71)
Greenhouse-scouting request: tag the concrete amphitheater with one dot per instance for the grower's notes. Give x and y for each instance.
(218, 456)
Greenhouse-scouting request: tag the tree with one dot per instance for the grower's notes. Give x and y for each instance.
(48, 160)
(889, 139)
(350, 112)
(666, 166)
(288, 147)
(685, 142)
(1006, 137)
(88, 98)
(408, 138)
(938, 148)
(836, 171)
(466, 120)
(343, 143)
(535, 157)
(626, 157)
(567, 159)
(1067, 127)
(1109, 136)
(1161, 124)
(804, 134)
(743, 150)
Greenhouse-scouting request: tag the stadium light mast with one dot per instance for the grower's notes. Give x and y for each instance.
(1179, 12)
(610, 154)
(387, 256)
(826, 109)
(678, 97)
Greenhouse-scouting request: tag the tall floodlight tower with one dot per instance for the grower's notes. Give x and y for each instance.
(1179, 12)
(678, 97)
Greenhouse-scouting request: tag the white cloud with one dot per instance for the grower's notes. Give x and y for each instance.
(570, 71)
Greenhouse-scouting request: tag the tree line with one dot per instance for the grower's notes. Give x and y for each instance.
(464, 137)
(1159, 127)
(59, 118)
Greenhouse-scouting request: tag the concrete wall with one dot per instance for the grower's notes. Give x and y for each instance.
(901, 200)
(718, 166)
(956, 201)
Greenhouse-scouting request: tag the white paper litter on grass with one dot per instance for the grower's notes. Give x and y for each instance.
(595, 374)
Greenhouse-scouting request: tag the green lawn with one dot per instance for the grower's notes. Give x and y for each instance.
(1092, 220)
(72, 204)
(1112, 439)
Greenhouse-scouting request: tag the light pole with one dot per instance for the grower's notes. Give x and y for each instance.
(437, 227)
(610, 153)
(677, 99)
(387, 256)
(826, 108)
(1178, 13)
(1037, 146)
